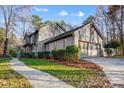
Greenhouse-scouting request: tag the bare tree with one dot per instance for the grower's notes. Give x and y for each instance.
(9, 16)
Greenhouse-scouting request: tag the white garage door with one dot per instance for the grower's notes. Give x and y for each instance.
(88, 49)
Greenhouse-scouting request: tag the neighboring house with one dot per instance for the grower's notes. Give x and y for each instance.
(87, 37)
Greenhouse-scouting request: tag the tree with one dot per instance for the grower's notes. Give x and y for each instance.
(48, 22)
(9, 16)
(110, 21)
(88, 19)
(1, 35)
(116, 14)
(23, 22)
(37, 22)
(12, 40)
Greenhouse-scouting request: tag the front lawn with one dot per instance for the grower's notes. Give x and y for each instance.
(10, 78)
(118, 57)
(78, 77)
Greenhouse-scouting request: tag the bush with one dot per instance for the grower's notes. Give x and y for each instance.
(113, 44)
(73, 49)
(70, 54)
(54, 53)
(12, 53)
(22, 54)
(108, 51)
(40, 54)
(28, 55)
(45, 54)
(33, 54)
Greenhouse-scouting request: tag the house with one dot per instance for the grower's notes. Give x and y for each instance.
(87, 37)
(34, 42)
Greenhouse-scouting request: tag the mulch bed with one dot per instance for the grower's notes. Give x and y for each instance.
(81, 64)
(98, 81)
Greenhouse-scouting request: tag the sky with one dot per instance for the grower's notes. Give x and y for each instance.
(74, 14)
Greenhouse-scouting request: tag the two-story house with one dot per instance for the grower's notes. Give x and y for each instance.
(87, 37)
(34, 42)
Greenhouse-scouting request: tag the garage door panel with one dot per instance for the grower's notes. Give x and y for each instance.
(88, 49)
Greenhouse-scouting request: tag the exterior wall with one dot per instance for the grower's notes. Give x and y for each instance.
(69, 41)
(51, 46)
(49, 31)
(46, 32)
(40, 46)
(89, 41)
(60, 44)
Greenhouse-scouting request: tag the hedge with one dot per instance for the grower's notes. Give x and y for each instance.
(45, 54)
(70, 54)
(28, 55)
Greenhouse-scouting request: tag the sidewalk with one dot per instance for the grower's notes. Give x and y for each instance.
(38, 79)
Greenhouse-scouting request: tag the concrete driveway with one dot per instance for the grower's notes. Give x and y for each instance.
(113, 68)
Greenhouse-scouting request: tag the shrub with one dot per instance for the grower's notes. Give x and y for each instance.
(113, 44)
(61, 54)
(108, 51)
(40, 54)
(54, 53)
(28, 55)
(45, 54)
(32, 54)
(12, 53)
(70, 54)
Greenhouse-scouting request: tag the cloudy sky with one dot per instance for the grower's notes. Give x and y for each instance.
(70, 14)
(73, 14)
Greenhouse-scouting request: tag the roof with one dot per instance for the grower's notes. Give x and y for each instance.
(70, 33)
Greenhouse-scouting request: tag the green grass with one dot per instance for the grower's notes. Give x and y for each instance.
(10, 78)
(70, 75)
(118, 57)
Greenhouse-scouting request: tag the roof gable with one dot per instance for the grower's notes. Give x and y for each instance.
(68, 33)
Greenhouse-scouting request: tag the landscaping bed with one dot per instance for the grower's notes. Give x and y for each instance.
(80, 64)
(78, 74)
(10, 78)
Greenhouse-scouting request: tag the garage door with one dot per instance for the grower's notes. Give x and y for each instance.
(89, 49)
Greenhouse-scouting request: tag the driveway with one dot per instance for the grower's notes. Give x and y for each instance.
(113, 68)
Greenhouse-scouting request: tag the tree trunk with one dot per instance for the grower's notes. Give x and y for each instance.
(121, 31)
(5, 48)
(5, 43)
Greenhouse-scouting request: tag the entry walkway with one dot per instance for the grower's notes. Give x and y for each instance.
(38, 79)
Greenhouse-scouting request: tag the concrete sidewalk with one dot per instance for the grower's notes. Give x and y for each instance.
(38, 79)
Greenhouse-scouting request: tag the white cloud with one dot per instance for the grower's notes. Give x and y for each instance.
(40, 9)
(79, 14)
(63, 13)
